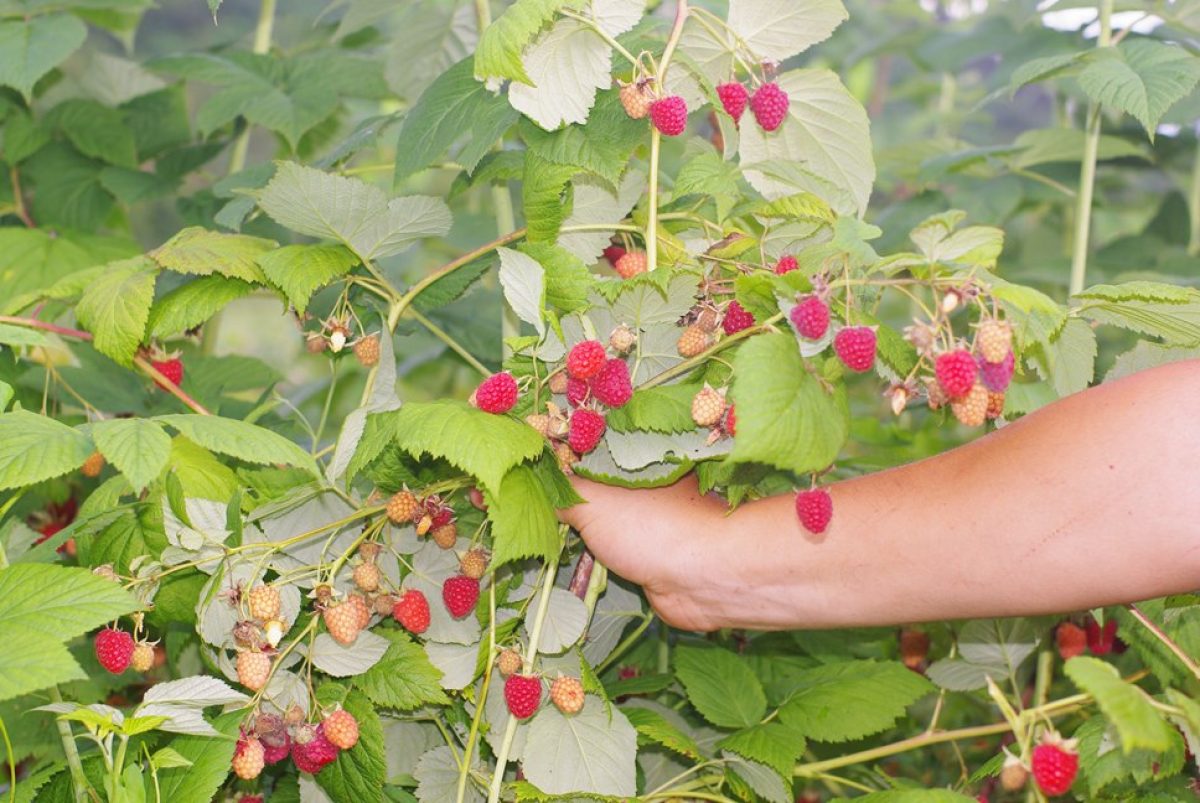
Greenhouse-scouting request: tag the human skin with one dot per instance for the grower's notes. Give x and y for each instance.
(1093, 500)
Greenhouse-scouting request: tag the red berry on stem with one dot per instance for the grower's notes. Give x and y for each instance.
(1101, 640)
(811, 318)
(770, 106)
(613, 253)
(736, 319)
(855, 347)
(1054, 767)
(114, 650)
(172, 369)
(523, 694)
(587, 428)
(585, 359)
(1070, 640)
(955, 371)
(612, 385)
(669, 115)
(497, 393)
(412, 611)
(460, 594)
(786, 264)
(311, 751)
(814, 509)
(733, 99)
(577, 391)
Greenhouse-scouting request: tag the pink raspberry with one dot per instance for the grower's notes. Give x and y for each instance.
(669, 115)
(613, 253)
(733, 98)
(460, 593)
(996, 375)
(275, 754)
(770, 106)
(612, 385)
(955, 371)
(497, 393)
(815, 509)
(577, 391)
(587, 428)
(855, 347)
(811, 318)
(114, 650)
(311, 751)
(786, 264)
(736, 317)
(585, 359)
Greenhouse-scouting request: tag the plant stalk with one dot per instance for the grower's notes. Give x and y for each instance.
(79, 781)
(1166, 640)
(681, 15)
(1194, 201)
(262, 44)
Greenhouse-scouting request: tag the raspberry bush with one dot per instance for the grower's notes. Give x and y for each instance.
(278, 489)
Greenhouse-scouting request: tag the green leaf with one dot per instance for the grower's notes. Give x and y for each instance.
(524, 524)
(498, 54)
(1070, 357)
(842, 701)
(779, 29)
(666, 409)
(240, 439)
(721, 686)
(301, 270)
(567, 279)
(594, 750)
(64, 601)
(201, 252)
(803, 206)
(1040, 69)
(30, 48)
(350, 211)
(543, 190)
(358, 774)
(200, 473)
(135, 533)
(209, 756)
(69, 191)
(1140, 291)
(601, 147)
(34, 660)
(95, 130)
(20, 336)
(655, 728)
(116, 306)
(136, 446)
(403, 679)
(786, 418)
(23, 137)
(1101, 764)
(524, 284)
(1141, 77)
(1138, 722)
(1050, 145)
(1177, 324)
(771, 743)
(192, 304)
(35, 448)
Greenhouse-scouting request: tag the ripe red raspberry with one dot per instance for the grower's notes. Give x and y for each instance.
(786, 264)
(114, 650)
(914, 648)
(955, 372)
(92, 467)
(693, 340)
(263, 603)
(172, 369)
(142, 659)
(612, 385)
(460, 594)
(731, 421)
(1070, 640)
(366, 576)
(971, 410)
(474, 563)
(708, 405)
(577, 391)
(343, 621)
(509, 662)
(273, 754)
(585, 359)
(523, 693)
(855, 347)
(250, 799)
(248, 758)
(1054, 764)
(366, 350)
(587, 428)
(736, 319)
(613, 253)
(341, 729)
(311, 751)
(253, 669)
(993, 341)
(631, 264)
(1101, 640)
(815, 509)
(412, 611)
(997, 375)
(811, 318)
(770, 106)
(567, 694)
(496, 394)
(403, 507)
(733, 99)
(669, 115)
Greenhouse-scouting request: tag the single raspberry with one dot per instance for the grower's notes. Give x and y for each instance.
(708, 316)
(815, 509)
(995, 407)
(770, 106)
(1070, 639)
(1101, 640)
(612, 253)
(114, 650)
(445, 536)
(811, 318)
(731, 421)
(142, 658)
(955, 372)
(402, 507)
(708, 406)
(311, 750)
(736, 319)
(440, 514)
(540, 422)
(271, 729)
(93, 465)
(248, 759)
(523, 693)
(566, 457)
(273, 754)
(612, 385)
(171, 368)
(496, 394)
(914, 648)
(250, 799)
(366, 350)
(636, 99)
(786, 264)
(567, 694)
(1055, 764)
(669, 115)
(997, 375)
(382, 604)
(358, 605)
(343, 622)
(1013, 775)
(971, 410)
(558, 382)
(366, 576)
(475, 496)
(733, 99)
(253, 669)
(585, 359)
(315, 343)
(474, 563)
(693, 341)
(631, 264)
(587, 428)
(263, 603)
(460, 595)
(577, 391)
(341, 729)
(622, 339)
(993, 341)
(855, 347)
(509, 662)
(412, 611)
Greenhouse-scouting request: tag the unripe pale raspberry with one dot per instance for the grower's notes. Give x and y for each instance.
(567, 694)
(993, 341)
(412, 611)
(358, 604)
(1013, 775)
(585, 359)
(612, 385)
(382, 604)
(587, 428)
(460, 594)
(631, 264)
(311, 750)
(997, 375)
(540, 422)
(93, 465)
(855, 347)
(971, 410)
(770, 106)
(248, 759)
(786, 264)
(402, 507)
(733, 97)
(509, 662)
(142, 658)
(566, 457)
(341, 729)
(253, 669)
(343, 622)
(1054, 764)
(369, 551)
(811, 318)
(523, 694)
(736, 319)
(263, 602)
(693, 340)
(558, 382)
(955, 372)
(474, 563)
(496, 394)
(366, 350)
(708, 317)
(814, 508)
(995, 406)
(315, 343)
(445, 536)
(708, 406)
(114, 650)
(622, 339)
(636, 99)
(669, 115)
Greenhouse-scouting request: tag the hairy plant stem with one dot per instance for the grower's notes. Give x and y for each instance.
(450, 342)
(19, 208)
(262, 44)
(1087, 172)
(681, 15)
(79, 782)
(1166, 640)
(465, 770)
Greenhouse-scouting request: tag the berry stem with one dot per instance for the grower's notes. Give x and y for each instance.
(465, 769)
(596, 29)
(79, 782)
(651, 235)
(262, 44)
(1162, 636)
(720, 345)
(453, 344)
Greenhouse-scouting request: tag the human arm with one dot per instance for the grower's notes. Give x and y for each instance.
(1090, 501)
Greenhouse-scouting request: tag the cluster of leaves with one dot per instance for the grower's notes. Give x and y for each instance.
(231, 480)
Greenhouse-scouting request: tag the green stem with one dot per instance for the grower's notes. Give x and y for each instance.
(1087, 175)
(453, 344)
(722, 344)
(651, 235)
(79, 781)
(626, 643)
(1194, 203)
(1166, 640)
(12, 763)
(262, 44)
(465, 769)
